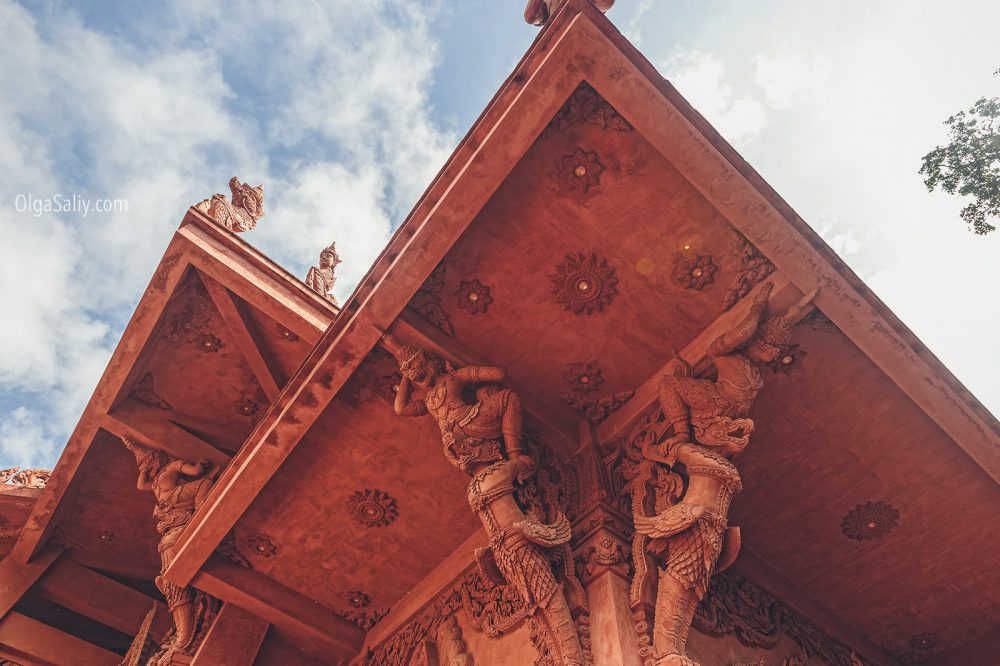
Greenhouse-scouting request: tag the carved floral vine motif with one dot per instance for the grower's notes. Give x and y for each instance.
(788, 360)
(186, 324)
(427, 301)
(586, 106)
(869, 521)
(322, 278)
(366, 619)
(145, 392)
(262, 546)
(755, 267)
(286, 334)
(582, 284)
(583, 378)
(208, 343)
(735, 605)
(357, 598)
(695, 272)
(372, 507)
(241, 212)
(919, 649)
(473, 296)
(246, 406)
(229, 550)
(596, 410)
(579, 171)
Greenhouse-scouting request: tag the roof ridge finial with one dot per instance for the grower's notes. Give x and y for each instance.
(538, 11)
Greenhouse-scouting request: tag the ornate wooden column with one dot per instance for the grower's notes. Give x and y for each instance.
(601, 537)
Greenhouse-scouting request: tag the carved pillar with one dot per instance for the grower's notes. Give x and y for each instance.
(601, 537)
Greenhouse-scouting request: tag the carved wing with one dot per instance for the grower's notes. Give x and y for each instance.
(544, 535)
(668, 523)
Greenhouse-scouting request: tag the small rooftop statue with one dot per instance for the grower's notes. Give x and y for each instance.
(242, 213)
(322, 279)
(538, 11)
(25, 478)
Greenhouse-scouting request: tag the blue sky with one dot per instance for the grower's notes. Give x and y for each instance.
(345, 110)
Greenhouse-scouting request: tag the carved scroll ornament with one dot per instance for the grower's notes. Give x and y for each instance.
(682, 480)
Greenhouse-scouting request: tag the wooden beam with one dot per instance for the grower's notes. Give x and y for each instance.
(100, 598)
(284, 608)
(247, 338)
(151, 426)
(35, 642)
(696, 354)
(234, 638)
(17, 578)
(127, 567)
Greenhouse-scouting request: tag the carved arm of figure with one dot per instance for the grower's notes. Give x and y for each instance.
(733, 340)
(479, 374)
(404, 404)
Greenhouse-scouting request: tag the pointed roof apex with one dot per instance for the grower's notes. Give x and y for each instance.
(538, 11)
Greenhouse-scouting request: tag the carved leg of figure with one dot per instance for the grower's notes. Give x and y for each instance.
(674, 406)
(675, 607)
(511, 423)
(561, 631)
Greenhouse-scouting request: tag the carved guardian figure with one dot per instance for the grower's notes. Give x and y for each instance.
(180, 487)
(701, 425)
(321, 279)
(483, 439)
(240, 214)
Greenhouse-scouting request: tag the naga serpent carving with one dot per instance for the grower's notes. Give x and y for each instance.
(240, 214)
(683, 480)
(483, 439)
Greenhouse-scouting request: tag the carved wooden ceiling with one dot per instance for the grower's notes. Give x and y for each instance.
(575, 245)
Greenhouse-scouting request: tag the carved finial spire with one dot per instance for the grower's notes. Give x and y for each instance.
(322, 278)
(538, 11)
(240, 214)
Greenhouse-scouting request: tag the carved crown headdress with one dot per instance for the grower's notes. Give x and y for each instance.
(330, 251)
(412, 357)
(145, 457)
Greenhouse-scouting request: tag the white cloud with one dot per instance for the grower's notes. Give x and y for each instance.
(703, 80)
(165, 125)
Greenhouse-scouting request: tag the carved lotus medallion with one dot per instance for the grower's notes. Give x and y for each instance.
(695, 272)
(579, 171)
(372, 508)
(473, 296)
(584, 284)
(870, 521)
